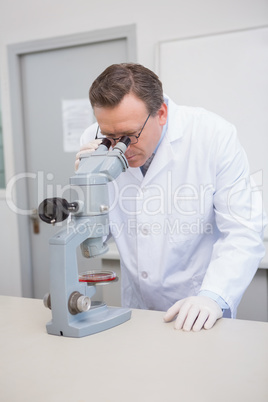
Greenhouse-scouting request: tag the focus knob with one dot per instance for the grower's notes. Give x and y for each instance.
(53, 210)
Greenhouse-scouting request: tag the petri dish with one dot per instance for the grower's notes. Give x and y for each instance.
(97, 276)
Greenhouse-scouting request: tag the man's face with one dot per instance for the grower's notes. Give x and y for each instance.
(128, 118)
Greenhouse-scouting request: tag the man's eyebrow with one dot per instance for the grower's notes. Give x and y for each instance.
(119, 134)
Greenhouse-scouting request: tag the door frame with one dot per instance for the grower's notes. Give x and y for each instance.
(14, 53)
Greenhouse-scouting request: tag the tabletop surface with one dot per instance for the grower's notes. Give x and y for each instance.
(143, 359)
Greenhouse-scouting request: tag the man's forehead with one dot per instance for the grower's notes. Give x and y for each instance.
(120, 127)
(129, 104)
(121, 119)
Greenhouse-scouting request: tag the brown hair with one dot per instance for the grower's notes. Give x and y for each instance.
(118, 80)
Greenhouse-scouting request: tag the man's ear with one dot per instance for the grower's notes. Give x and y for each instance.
(162, 114)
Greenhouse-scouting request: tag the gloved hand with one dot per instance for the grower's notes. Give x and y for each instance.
(194, 313)
(85, 149)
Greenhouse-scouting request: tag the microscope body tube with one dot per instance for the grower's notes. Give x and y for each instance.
(90, 182)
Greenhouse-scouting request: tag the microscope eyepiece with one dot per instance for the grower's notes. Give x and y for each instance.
(122, 144)
(106, 142)
(125, 140)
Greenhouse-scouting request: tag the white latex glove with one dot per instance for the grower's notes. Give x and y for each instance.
(194, 313)
(85, 149)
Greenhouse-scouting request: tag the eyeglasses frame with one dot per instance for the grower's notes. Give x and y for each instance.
(131, 135)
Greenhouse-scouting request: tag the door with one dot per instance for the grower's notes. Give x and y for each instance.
(47, 78)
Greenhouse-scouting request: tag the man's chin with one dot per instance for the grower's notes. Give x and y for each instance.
(134, 165)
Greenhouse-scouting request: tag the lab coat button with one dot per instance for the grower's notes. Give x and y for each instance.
(144, 274)
(145, 231)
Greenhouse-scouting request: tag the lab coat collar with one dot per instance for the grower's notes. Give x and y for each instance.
(163, 157)
(175, 118)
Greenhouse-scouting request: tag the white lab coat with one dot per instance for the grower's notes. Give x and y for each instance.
(194, 222)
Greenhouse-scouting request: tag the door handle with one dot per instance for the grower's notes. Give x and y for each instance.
(36, 221)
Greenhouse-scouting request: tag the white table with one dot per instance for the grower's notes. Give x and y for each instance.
(143, 359)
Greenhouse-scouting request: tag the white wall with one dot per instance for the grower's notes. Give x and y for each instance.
(25, 20)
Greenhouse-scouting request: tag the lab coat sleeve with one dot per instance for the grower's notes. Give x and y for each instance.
(240, 220)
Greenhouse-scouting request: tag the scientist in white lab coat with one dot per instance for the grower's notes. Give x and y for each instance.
(186, 220)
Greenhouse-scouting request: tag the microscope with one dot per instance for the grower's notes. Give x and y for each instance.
(73, 313)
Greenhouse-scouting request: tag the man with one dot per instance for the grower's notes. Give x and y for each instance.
(187, 228)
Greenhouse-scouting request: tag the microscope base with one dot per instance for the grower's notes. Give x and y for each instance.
(96, 320)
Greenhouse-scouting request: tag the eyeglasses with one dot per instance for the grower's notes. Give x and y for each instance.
(133, 138)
